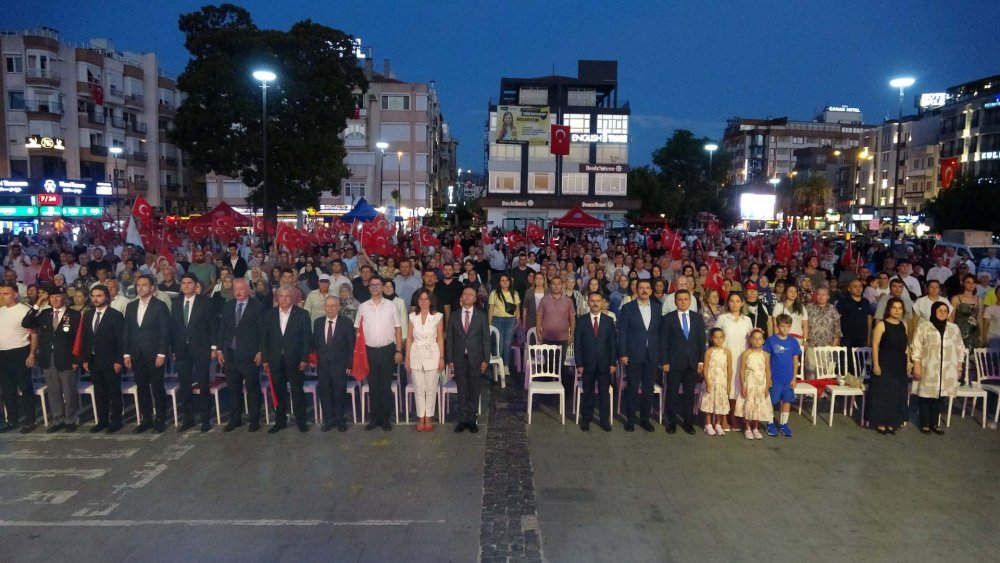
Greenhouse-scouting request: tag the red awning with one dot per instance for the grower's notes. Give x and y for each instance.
(577, 218)
(222, 210)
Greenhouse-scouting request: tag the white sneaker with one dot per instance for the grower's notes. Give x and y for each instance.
(719, 430)
(748, 433)
(757, 435)
(709, 430)
(991, 425)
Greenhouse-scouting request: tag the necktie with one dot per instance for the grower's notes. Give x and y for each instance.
(466, 323)
(55, 321)
(684, 324)
(329, 331)
(239, 313)
(187, 311)
(93, 339)
(595, 326)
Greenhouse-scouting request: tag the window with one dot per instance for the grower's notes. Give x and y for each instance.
(17, 133)
(14, 63)
(575, 183)
(616, 124)
(611, 184)
(578, 122)
(15, 99)
(396, 102)
(504, 181)
(540, 182)
(534, 97)
(18, 168)
(582, 97)
(505, 152)
(421, 102)
(395, 132)
(354, 189)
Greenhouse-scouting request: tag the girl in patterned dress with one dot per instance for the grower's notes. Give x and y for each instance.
(715, 399)
(754, 402)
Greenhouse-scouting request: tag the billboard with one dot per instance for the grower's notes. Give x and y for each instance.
(38, 186)
(523, 124)
(757, 207)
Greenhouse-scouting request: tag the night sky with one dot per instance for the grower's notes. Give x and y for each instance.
(687, 65)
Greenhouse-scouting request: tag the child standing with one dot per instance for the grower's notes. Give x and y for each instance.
(785, 354)
(715, 399)
(754, 403)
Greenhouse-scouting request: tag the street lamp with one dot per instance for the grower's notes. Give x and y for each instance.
(115, 151)
(902, 83)
(264, 76)
(711, 148)
(381, 145)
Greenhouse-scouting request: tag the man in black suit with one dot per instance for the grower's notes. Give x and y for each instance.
(639, 345)
(683, 348)
(101, 349)
(595, 350)
(286, 352)
(467, 347)
(57, 327)
(193, 321)
(333, 342)
(236, 262)
(237, 348)
(147, 338)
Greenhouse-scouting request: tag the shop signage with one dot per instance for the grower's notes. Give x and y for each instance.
(843, 108)
(989, 155)
(49, 199)
(83, 212)
(51, 143)
(52, 186)
(599, 168)
(335, 209)
(14, 186)
(597, 204)
(599, 138)
(994, 104)
(933, 100)
(18, 211)
(862, 217)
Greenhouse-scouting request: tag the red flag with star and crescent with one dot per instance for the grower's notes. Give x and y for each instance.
(560, 140)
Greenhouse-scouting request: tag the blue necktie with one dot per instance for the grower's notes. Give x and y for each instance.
(684, 325)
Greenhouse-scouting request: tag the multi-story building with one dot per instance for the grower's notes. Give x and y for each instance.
(762, 149)
(838, 167)
(526, 183)
(91, 114)
(397, 142)
(970, 127)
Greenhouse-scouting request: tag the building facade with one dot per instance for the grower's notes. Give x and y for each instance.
(92, 113)
(526, 183)
(970, 127)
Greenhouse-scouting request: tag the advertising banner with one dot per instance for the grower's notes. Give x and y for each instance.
(523, 124)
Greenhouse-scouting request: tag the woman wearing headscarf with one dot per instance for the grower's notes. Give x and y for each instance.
(224, 295)
(937, 354)
(348, 305)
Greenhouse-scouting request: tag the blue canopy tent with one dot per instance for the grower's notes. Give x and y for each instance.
(363, 211)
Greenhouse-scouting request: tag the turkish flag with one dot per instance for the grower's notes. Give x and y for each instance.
(848, 256)
(286, 236)
(221, 225)
(713, 229)
(714, 280)
(675, 248)
(560, 140)
(782, 251)
(97, 92)
(426, 238)
(487, 239)
(47, 271)
(949, 168)
(795, 243)
(172, 238)
(165, 252)
(261, 225)
(142, 210)
(534, 232)
(359, 365)
(666, 238)
(456, 249)
(198, 232)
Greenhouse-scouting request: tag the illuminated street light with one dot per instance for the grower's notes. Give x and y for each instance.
(902, 83)
(264, 76)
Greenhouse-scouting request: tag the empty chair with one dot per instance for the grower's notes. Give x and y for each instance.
(830, 362)
(988, 375)
(803, 390)
(496, 358)
(545, 377)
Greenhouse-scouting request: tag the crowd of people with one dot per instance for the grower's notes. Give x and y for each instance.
(724, 319)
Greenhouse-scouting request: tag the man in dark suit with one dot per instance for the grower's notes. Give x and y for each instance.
(639, 345)
(236, 262)
(683, 349)
(101, 349)
(467, 349)
(193, 322)
(237, 348)
(286, 352)
(56, 327)
(147, 338)
(333, 343)
(595, 350)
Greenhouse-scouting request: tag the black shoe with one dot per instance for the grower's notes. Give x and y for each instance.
(254, 426)
(342, 427)
(302, 427)
(671, 428)
(459, 427)
(473, 427)
(232, 425)
(327, 426)
(882, 430)
(28, 428)
(585, 426)
(372, 425)
(275, 428)
(159, 427)
(606, 426)
(7, 427)
(186, 425)
(386, 426)
(55, 428)
(629, 427)
(937, 430)
(114, 428)
(206, 426)
(890, 431)
(689, 429)
(925, 430)
(99, 427)
(71, 427)
(646, 425)
(142, 427)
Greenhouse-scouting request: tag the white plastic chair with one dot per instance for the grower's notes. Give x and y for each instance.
(971, 390)
(86, 387)
(38, 383)
(987, 378)
(803, 390)
(311, 387)
(216, 383)
(449, 388)
(130, 387)
(366, 400)
(530, 339)
(496, 358)
(658, 389)
(172, 385)
(831, 362)
(545, 377)
(579, 397)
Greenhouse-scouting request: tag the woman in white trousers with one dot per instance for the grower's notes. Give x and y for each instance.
(425, 356)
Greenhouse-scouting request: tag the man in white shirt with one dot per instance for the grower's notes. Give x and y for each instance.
(70, 270)
(383, 339)
(118, 301)
(314, 301)
(17, 260)
(18, 350)
(337, 277)
(619, 264)
(940, 272)
(669, 301)
(910, 283)
(990, 265)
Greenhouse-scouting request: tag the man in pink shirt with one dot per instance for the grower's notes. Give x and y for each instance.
(555, 322)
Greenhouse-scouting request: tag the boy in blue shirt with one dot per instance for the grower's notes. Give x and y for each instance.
(785, 354)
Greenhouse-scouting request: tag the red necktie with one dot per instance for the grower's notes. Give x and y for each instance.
(466, 323)
(329, 331)
(595, 326)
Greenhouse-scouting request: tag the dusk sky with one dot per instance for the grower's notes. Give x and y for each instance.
(688, 65)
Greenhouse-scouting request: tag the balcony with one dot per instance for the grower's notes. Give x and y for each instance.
(166, 108)
(169, 160)
(172, 187)
(138, 185)
(98, 150)
(118, 122)
(139, 127)
(114, 92)
(138, 156)
(135, 100)
(96, 118)
(41, 77)
(43, 108)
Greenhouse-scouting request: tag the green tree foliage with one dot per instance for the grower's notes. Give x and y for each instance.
(969, 203)
(811, 196)
(219, 123)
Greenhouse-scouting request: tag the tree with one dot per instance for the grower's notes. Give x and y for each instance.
(969, 203)
(219, 123)
(811, 196)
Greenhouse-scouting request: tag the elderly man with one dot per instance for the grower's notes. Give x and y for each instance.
(332, 340)
(680, 282)
(285, 344)
(317, 297)
(56, 328)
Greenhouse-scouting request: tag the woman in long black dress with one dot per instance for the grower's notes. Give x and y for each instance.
(887, 391)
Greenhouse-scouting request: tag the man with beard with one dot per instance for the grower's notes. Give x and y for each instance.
(101, 348)
(448, 291)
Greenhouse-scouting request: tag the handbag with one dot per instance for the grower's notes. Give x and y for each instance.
(509, 308)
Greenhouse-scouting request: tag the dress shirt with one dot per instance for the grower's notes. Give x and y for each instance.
(283, 315)
(329, 329)
(140, 312)
(646, 312)
(102, 311)
(57, 315)
(189, 301)
(381, 321)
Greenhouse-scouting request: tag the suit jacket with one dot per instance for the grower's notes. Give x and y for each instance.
(248, 334)
(294, 343)
(476, 341)
(153, 337)
(338, 356)
(680, 352)
(199, 332)
(108, 343)
(634, 339)
(54, 343)
(591, 352)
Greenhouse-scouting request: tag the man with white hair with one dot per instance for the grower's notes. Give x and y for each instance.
(681, 282)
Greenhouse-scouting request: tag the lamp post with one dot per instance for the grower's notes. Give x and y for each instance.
(902, 83)
(381, 145)
(264, 76)
(115, 151)
(711, 148)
